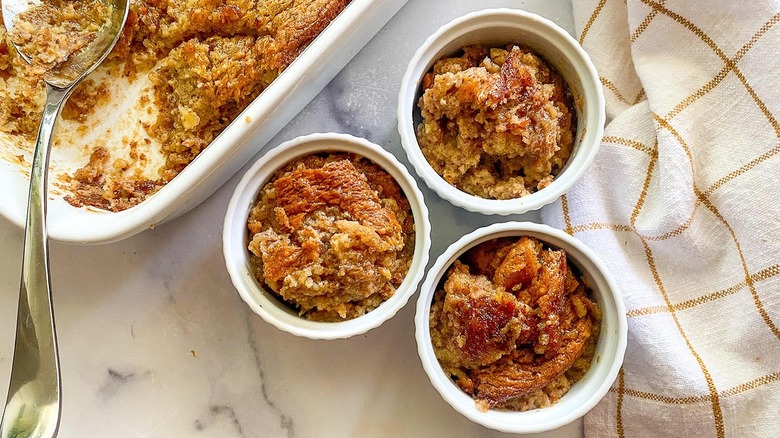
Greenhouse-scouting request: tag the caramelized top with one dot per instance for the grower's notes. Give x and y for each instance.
(332, 234)
(510, 320)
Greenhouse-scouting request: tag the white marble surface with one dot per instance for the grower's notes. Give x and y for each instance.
(155, 342)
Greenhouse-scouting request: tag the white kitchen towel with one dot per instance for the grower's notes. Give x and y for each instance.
(682, 204)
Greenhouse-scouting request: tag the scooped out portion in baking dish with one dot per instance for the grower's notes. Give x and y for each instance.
(180, 74)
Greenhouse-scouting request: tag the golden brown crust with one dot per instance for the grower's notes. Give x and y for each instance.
(296, 30)
(519, 266)
(336, 184)
(332, 234)
(485, 320)
(508, 379)
(516, 328)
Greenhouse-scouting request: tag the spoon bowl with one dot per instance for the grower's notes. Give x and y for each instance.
(84, 61)
(33, 405)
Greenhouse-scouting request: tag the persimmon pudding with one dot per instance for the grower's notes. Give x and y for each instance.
(331, 235)
(497, 123)
(513, 325)
(181, 72)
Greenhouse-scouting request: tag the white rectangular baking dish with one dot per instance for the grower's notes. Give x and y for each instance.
(254, 127)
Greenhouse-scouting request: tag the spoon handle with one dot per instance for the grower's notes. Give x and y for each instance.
(34, 398)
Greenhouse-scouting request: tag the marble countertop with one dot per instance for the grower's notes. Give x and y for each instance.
(155, 341)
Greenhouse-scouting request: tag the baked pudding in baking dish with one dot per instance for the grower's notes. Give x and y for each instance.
(180, 74)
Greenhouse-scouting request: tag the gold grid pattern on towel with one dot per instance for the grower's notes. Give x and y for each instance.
(614, 89)
(703, 199)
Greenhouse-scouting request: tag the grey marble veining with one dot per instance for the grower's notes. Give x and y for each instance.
(155, 342)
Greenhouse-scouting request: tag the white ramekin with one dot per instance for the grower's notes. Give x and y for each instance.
(235, 237)
(497, 27)
(610, 349)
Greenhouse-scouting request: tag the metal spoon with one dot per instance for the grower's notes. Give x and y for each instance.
(34, 399)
